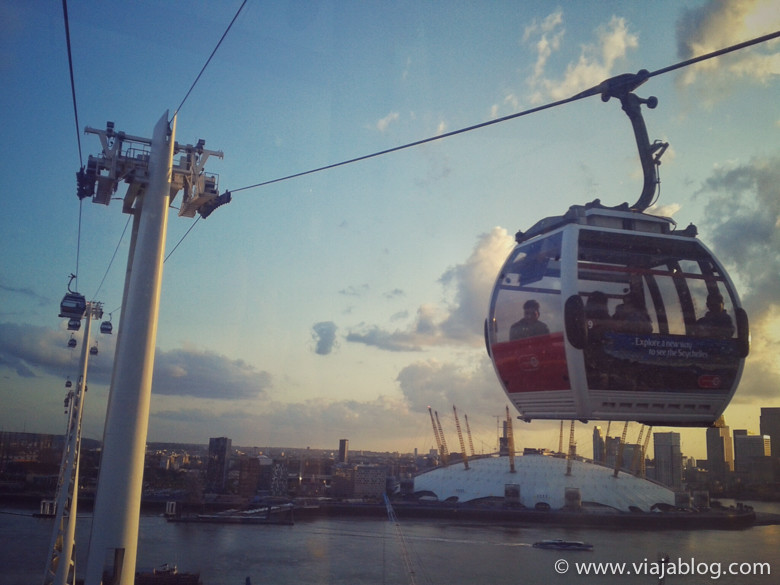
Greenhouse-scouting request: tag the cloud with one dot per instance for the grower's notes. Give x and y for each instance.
(721, 23)
(27, 349)
(33, 351)
(442, 384)
(39, 300)
(376, 337)
(383, 124)
(206, 374)
(460, 322)
(324, 334)
(594, 65)
(742, 221)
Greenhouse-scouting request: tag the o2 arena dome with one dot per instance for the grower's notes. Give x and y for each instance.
(542, 479)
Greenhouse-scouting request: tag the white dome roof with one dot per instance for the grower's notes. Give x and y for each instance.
(543, 479)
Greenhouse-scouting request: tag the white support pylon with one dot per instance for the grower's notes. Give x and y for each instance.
(114, 541)
(61, 565)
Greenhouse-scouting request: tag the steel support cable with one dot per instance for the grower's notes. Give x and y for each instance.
(194, 83)
(194, 223)
(127, 223)
(72, 83)
(587, 93)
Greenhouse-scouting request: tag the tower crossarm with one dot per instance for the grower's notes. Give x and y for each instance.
(125, 158)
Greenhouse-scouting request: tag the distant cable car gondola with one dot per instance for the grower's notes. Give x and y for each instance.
(93, 350)
(72, 342)
(68, 383)
(74, 324)
(610, 314)
(106, 326)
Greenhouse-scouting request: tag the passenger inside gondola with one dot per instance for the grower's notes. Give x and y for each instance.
(631, 316)
(529, 325)
(716, 322)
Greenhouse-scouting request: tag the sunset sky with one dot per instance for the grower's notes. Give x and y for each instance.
(342, 303)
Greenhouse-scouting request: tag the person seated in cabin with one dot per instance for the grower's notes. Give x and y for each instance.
(716, 321)
(631, 316)
(529, 325)
(597, 315)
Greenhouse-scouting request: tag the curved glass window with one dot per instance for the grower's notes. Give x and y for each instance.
(525, 322)
(660, 314)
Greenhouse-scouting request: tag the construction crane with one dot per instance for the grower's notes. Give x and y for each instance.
(510, 441)
(445, 453)
(468, 432)
(61, 564)
(460, 438)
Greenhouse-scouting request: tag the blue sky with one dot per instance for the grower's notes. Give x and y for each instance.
(343, 303)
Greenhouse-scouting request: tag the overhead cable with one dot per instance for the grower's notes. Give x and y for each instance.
(587, 93)
(194, 83)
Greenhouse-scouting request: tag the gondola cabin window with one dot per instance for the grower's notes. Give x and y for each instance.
(659, 314)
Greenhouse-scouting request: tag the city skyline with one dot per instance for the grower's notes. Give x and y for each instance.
(343, 304)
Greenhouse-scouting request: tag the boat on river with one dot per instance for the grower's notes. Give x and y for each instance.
(559, 544)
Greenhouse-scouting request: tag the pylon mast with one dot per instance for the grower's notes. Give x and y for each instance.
(61, 565)
(147, 165)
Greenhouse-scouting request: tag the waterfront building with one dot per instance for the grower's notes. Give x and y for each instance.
(769, 424)
(752, 461)
(343, 450)
(218, 463)
(720, 452)
(599, 446)
(668, 459)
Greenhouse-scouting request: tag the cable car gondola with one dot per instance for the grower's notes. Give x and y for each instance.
(72, 342)
(612, 314)
(74, 324)
(93, 350)
(73, 304)
(106, 326)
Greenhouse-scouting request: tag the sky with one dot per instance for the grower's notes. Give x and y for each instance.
(341, 304)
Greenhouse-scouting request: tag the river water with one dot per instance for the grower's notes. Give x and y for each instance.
(373, 552)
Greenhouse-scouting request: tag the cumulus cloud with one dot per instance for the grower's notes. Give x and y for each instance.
(34, 351)
(206, 374)
(742, 221)
(324, 335)
(721, 23)
(595, 63)
(31, 350)
(439, 384)
(383, 123)
(460, 322)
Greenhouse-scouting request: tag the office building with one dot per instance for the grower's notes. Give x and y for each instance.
(343, 450)
(720, 452)
(770, 426)
(668, 459)
(599, 446)
(218, 464)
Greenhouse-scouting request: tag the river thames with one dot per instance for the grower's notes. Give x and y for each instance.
(373, 551)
